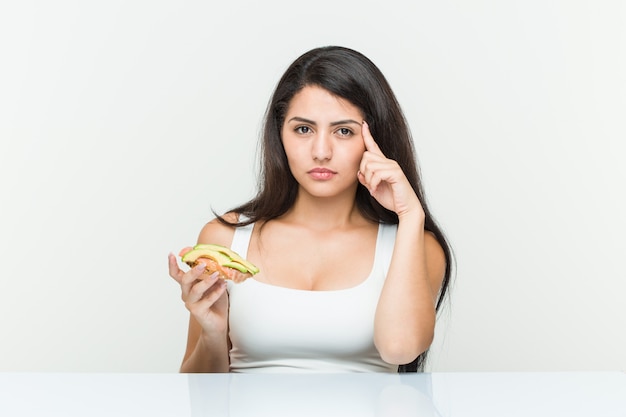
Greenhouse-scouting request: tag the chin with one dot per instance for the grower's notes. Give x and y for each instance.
(327, 191)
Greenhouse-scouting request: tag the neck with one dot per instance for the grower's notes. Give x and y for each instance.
(324, 213)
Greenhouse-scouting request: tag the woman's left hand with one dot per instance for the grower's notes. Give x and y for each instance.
(385, 180)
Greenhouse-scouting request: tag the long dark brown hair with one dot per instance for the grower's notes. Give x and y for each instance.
(352, 76)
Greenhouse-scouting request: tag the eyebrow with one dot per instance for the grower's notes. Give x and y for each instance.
(338, 122)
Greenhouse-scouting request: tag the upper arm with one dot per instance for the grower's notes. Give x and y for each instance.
(218, 233)
(435, 263)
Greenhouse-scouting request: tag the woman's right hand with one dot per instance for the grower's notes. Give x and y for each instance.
(204, 296)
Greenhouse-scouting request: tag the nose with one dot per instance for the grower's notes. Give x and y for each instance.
(322, 149)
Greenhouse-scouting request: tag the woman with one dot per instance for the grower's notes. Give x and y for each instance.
(353, 266)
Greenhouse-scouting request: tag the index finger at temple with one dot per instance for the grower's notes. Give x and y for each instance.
(368, 139)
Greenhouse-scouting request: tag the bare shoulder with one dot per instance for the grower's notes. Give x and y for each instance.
(435, 258)
(217, 232)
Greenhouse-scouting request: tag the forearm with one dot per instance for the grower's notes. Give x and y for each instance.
(405, 316)
(209, 355)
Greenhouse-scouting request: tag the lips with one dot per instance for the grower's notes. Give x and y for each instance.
(321, 173)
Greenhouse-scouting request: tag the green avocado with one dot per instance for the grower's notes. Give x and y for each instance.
(194, 254)
(236, 258)
(222, 255)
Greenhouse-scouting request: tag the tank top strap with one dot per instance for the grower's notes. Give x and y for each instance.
(384, 245)
(241, 239)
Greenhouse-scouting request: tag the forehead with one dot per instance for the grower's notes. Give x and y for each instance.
(316, 101)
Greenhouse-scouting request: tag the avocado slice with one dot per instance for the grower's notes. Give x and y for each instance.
(221, 255)
(235, 257)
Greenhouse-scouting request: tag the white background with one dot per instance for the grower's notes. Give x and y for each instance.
(122, 123)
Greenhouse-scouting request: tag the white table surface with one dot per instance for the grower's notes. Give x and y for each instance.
(571, 394)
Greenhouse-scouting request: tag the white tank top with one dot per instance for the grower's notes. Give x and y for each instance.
(278, 329)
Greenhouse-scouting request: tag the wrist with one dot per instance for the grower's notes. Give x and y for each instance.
(208, 337)
(415, 217)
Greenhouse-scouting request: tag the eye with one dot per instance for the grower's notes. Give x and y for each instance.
(344, 132)
(303, 130)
